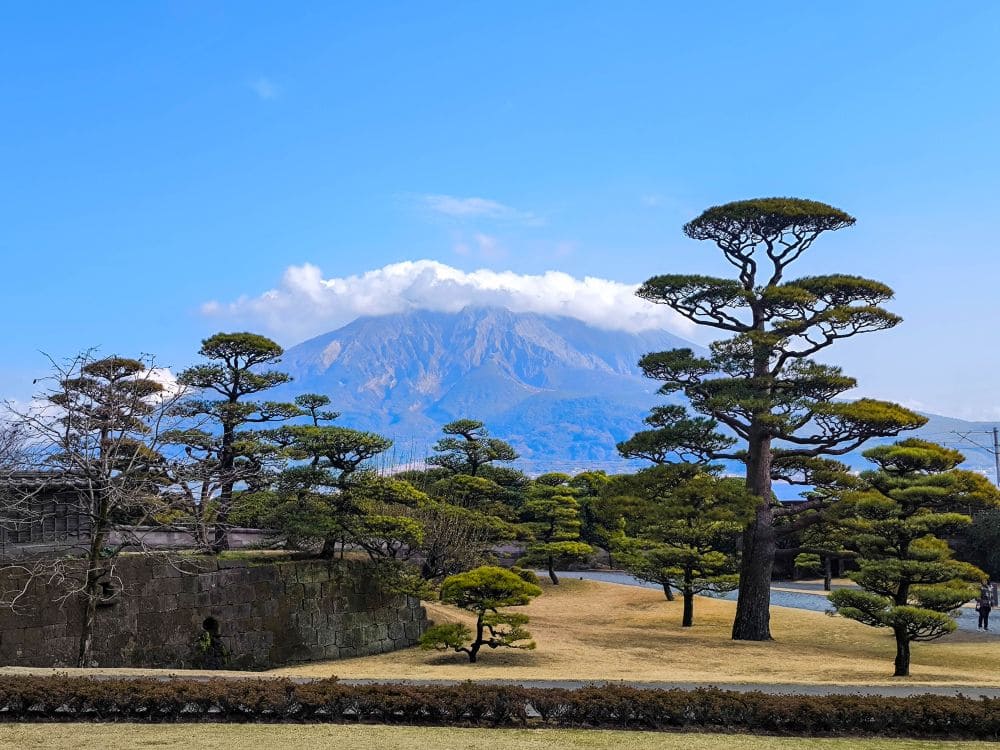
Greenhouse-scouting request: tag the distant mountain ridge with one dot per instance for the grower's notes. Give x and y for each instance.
(561, 391)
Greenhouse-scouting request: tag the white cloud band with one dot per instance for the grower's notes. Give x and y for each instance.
(306, 304)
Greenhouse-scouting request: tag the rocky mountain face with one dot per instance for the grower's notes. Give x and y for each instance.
(561, 391)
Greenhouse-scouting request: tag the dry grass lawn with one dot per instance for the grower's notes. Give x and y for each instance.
(587, 630)
(322, 737)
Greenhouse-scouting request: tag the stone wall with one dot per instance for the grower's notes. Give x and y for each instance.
(263, 614)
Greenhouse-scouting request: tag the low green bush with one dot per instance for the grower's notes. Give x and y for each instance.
(62, 698)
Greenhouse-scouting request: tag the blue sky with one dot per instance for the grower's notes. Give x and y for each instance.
(160, 156)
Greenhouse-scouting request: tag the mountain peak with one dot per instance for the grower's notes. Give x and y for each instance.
(555, 386)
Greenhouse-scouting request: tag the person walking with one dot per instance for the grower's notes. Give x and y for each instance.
(983, 607)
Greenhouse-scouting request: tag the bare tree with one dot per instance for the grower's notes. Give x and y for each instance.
(13, 447)
(95, 433)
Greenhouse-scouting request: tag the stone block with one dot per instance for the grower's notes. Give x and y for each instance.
(186, 600)
(412, 631)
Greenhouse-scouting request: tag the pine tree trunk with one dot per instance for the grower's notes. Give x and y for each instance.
(552, 571)
(476, 644)
(902, 655)
(688, 618)
(329, 550)
(827, 573)
(753, 606)
(668, 592)
(227, 465)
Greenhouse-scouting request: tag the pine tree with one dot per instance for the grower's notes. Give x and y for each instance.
(552, 514)
(234, 372)
(761, 383)
(469, 448)
(485, 592)
(899, 525)
(683, 531)
(325, 493)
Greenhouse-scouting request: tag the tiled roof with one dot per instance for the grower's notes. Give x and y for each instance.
(34, 480)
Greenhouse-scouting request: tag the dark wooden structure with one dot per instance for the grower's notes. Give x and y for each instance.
(40, 509)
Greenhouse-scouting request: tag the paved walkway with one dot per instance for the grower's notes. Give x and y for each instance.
(900, 690)
(809, 596)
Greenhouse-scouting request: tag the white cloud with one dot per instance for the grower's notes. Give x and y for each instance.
(265, 88)
(306, 304)
(172, 388)
(474, 208)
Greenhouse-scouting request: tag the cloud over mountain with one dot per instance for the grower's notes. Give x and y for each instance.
(305, 303)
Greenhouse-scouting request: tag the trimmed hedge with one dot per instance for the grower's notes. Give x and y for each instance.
(60, 698)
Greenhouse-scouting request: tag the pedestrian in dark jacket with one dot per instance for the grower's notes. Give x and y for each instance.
(983, 607)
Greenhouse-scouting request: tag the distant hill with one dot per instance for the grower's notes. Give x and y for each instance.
(561, 391)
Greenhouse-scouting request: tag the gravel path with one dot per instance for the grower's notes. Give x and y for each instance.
(899, 691)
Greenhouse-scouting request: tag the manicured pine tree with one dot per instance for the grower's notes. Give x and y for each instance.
(900, 525)
(325, 493)
(485, 592)
(552, 515)
(468, 448)
(684, 530)
(819, 546)
(235, 372)
(762, 383)
(598, 525)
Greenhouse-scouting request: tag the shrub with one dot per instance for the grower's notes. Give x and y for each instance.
(61, 698)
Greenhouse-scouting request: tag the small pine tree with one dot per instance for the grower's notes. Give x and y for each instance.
(899, 525)
(552, 514)
(484, 591)
(684, 531)
(468, 448)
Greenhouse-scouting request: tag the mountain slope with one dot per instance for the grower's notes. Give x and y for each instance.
(561, 391)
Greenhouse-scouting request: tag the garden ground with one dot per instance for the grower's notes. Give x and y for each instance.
(599, 631)
(306, 737)
(590, 631)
